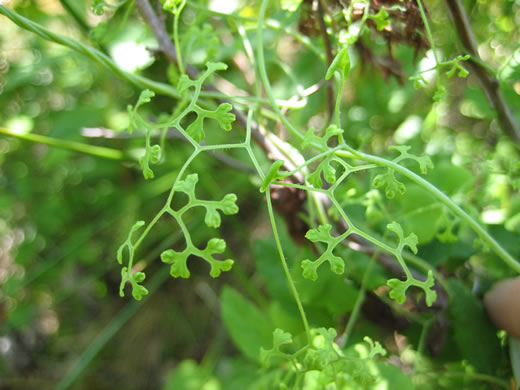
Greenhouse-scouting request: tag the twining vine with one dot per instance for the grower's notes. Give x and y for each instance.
(324, 162)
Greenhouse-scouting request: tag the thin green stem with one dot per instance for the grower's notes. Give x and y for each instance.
(337, 109)
(444, 199)
(176, 17)
(286, 268)
(424, 333)
(99, 57)
(248, 145)
(263, 72)
(430, 36)
(271, 23)
(97, 151)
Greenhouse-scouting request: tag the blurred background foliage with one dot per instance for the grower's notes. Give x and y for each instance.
(63, 213)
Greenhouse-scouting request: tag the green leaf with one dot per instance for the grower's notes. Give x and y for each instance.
(340, 63)
(375, 348)
(410, 240)
(475, 336)
(398, 288)
(322, 234)
(212, 218)
(329, 173)
(311, 138)
(188, 185)
(216, 245)
(424, 162)
(196, 128)
(273, 174)
(227, 205)
(178, 260)
(391, 185)
(323, 350)
(248, 327)
(145, 97)
(280, 338)
(381, 18)
(138, 291)
(223, 117)
(310, 269)
(152, 155)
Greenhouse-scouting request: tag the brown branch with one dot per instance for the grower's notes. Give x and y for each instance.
(489, 83)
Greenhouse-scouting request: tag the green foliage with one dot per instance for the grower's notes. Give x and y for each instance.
(322, 234)
(305, 125)
(243, 319)
(471, 324)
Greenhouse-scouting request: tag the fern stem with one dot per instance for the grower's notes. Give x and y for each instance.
(263, 72)
(286, 268)
(97, 151)
(444, 199)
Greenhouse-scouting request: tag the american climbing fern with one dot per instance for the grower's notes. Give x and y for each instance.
(321, 162)
(194, 133)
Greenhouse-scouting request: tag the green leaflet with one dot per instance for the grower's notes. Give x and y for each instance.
(325, 167)
(322, 234)
(398, 287)
(152, 154)
(178, 260)
(222, 114)
(273, 174)
(388, 180)
(126, 272)
(340, 63)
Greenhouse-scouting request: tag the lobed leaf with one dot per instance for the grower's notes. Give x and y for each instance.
(196, 128)
(375, 348)
(388, 181)
(216, 245)
(280, 338)
(227, 205)
(381, 18)
(311, 138)
(178, 260)
(188, 186)
(398, 288)
(325, 168)
(424, 162)
(410, 240)
(223, 116)
(145, 97)
(337, 265)
(152, 155)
